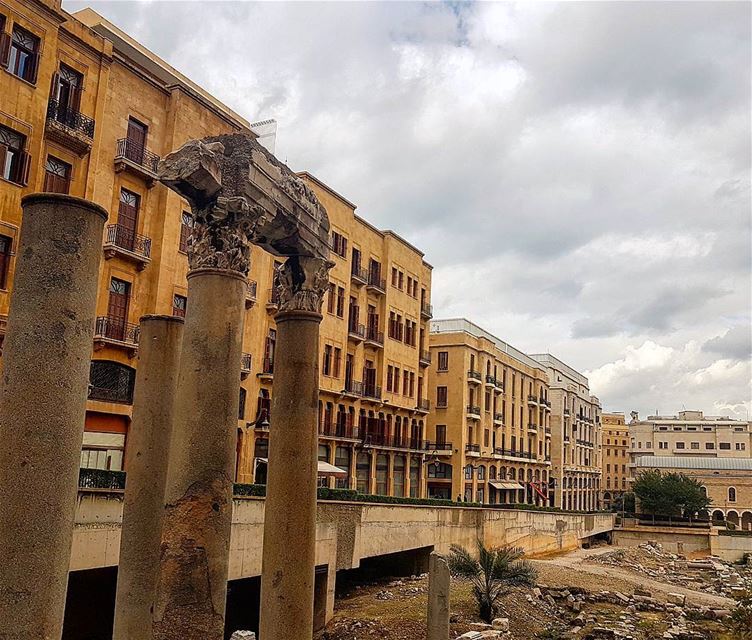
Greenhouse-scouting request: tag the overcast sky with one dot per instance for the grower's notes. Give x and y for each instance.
(578, 174)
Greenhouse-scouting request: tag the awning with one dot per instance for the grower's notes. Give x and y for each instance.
(505, 485)
(325, 469)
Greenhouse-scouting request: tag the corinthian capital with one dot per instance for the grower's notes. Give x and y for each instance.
(302, 282)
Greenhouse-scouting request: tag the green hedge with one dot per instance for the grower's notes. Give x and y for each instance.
(735, 532)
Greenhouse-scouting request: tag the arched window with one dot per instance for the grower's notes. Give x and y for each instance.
(468, 472)
(492, 473)
(440, 470)
(111, 381)
(342, 460)
(481, 472)
(363, 471)
(382, 470)
(732, 494)
(398, 476)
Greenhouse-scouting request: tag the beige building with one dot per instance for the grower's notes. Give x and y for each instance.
(727, 482)
(374, 358)
(489, 426)
(690, 433)
(614, 459)
(576, 437)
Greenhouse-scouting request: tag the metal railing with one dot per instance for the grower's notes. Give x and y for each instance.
(124, 238)
(374, 335)
(491, 380)
(473, 409)
(245, 362)
(117, 329)
(472, 448)
(532, 399)
(354, 387)
(70, 118)
(267, 366)
(425, 357)
(273, 296)
(372, 391)
(101, 479)
(137, 154)
(474, 375)
(250, 291)
(376, 282)
(423, 405)
(498, 417)
(358, 274)
(356, 330)
(426, 310)
(438, 446)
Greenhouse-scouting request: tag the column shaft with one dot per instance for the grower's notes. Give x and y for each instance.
(198, 497)
(438, 598)
(289, 551)
(46, 361)
(146, 464)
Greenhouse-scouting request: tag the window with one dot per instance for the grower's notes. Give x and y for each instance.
(186, 226)
(394, 276)
(663, 445)
(340, 302)
(726, 446)
(14, 161)
(440, 470)
(178, 305)
(5, 253)
(339, 244)
(710, 445)
(679, 445)
(67, 85)
(332, 298)
(732, 494)
(443, 364)
(241, 404)
(468, 472)
(740, 446)
(111, 381)
(24, 55)
(441, 433)
(441, 397)
(337, 362)
(57, 176)
(327, 366)
(389, 377)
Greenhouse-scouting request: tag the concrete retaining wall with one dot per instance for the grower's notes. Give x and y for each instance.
(730, 548)
(673, 539)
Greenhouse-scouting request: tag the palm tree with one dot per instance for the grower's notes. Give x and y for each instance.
(495, 569)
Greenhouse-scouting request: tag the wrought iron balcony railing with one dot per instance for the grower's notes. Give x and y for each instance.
(423, 405)
(374, 335)
(472, 448)
(353, 387)
(111, 328)
(426, 310)
(376, 282)
(438, 446)
(136, 153)
(123, 238)
(473, 410)
(70, 118)
(372, 391)
(474, 375)
(358, 275)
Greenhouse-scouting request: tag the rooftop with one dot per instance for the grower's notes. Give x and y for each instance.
(682, 462)
(463, 325)
(547, 360)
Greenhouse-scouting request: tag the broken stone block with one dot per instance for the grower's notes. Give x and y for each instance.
(243, 635)
(500, 624)
(679, 599)
(480, 626)
(470, 635)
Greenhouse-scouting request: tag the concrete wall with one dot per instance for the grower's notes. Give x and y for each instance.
(673, 539)
(349, 532)
(730, 548)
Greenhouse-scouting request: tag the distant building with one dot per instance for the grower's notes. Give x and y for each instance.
(489, 424)
(727, 481)
(576, 437)
(690, 434)
(614, 458)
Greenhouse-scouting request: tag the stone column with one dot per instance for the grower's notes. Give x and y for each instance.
(198, 497)
(289, 551)
(45, 378)
(148, 452)
(438, 598)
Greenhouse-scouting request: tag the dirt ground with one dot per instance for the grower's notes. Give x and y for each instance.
(395, 609)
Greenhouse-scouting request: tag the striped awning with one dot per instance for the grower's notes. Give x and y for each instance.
(505, 486)
(325, 469)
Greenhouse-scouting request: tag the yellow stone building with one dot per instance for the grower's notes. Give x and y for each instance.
(576, 441)
(86, 110)
(615, 459)
(489, 428)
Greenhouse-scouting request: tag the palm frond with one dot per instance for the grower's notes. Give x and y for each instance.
(461, 563)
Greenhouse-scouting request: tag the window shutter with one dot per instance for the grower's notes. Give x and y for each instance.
(24, 167)
(53, 85)
(75, 99)
(33, 68)
(3, 156)
(5, 41)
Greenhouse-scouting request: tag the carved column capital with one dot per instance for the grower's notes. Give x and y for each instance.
(302, 282)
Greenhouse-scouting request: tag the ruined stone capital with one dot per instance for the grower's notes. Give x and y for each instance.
(240, 194)
(301, 283)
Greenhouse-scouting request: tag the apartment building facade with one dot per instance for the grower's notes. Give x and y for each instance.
(690, 433)
(489, 428)
(87, 110)
(576, 437)
(615, 470)
(374, 359)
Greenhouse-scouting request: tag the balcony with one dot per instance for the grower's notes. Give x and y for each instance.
(69, 128)
(498, 418)
(374, 337)
(356, 332)
(245, 365)
(353, 388)
(423, 406)
(472, 450)
(474, 377)
(272, 300)
(133, 157)
(343, 429)
(424, 360)
(267, 369)
(566, 413)
(250, 293)
(371, 392)
(439, 448)
(426, 310)
(126, 243)
(115, 332)
(532, 428)
(358, 276)
(548, 432)
(376, 283)
(473, 412)
(490, 381)
(566, 438)
(532, 400)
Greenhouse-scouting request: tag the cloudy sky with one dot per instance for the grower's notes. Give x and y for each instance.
(578, 174)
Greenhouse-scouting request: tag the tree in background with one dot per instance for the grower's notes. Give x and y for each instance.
(670, 494)
(495, 569)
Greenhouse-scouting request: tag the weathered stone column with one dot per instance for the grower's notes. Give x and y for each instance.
(438, 598)
(287, 578)
(45, 378)
(198, 496)
(148, 452)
